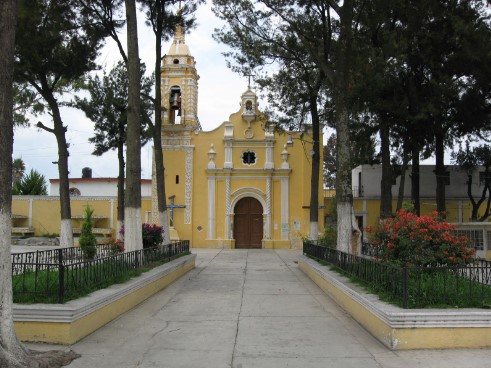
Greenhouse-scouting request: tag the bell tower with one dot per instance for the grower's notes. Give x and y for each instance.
(179, 84)
(179, 123)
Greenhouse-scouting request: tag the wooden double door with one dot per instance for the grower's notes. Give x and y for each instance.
(248, 223)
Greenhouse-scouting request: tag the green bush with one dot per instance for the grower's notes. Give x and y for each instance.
(87, 241)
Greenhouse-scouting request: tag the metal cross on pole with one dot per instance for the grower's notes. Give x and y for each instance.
(249, 83)
(171, 207)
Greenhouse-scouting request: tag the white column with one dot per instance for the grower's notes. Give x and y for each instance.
(228, 164)
(111, 216)
(188, 186)
(30, 213)
(267, 225)
(211, 207)
(285, 227)
(269, 164)
(228, 231)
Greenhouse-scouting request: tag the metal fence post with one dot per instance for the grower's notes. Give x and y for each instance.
(404, 288)
(61, 277)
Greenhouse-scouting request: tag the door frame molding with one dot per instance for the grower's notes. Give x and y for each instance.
(234, 202)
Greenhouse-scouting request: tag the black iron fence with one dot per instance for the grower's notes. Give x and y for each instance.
(55, 275)
(413, 287)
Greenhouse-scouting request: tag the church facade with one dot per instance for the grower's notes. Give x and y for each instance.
(241, 185)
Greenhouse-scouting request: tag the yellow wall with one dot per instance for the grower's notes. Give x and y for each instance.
(45, 215)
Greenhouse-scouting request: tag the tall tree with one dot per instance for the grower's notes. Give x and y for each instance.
(325, 30)
(55, 47)
(132, 218)
(18, 169)
(12, 353)
(107, 108)
(161, 16)
(294, 92)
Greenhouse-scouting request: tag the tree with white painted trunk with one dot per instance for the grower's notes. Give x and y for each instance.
(324, 29)
(12, 353)
(55, 48)
(108, 108)
(163, 19)
(132, 213)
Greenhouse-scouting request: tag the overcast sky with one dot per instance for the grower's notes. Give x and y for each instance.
(38, 148)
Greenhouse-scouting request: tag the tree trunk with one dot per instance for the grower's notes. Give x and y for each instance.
(120, 215)
(11, 351)
(157, 134)
(347, 227)
(402, 182)
(66, 234)
(386, 181)
(415, 179)
(314, 178)
(440, 172)
(133, 221)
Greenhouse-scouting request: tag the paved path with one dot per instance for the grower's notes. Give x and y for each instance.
(248, 309)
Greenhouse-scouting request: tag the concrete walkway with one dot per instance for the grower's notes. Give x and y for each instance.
(248, 308)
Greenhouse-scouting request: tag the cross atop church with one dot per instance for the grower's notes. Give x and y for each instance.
(249, 83)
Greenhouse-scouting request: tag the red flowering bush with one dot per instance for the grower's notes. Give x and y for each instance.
(408, 239)
(117, 246)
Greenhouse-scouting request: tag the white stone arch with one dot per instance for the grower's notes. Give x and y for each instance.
(250, 192)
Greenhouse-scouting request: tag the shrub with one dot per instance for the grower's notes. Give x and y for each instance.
(87, 241)
(408, 239)
(152, 235)
(116, 246)
(330, 237)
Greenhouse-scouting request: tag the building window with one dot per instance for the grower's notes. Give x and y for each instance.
(483, 175)
(446, 178)
(476, 237)
(74, 192)
(249, 158)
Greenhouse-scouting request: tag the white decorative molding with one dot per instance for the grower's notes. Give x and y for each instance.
(269, 164)
(285, 224)
(228, 164)
(267, 223)
(211, 207)
(247, 190)
(188, 189)
(228, 226)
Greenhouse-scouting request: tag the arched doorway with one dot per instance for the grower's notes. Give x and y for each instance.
(248, 223)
